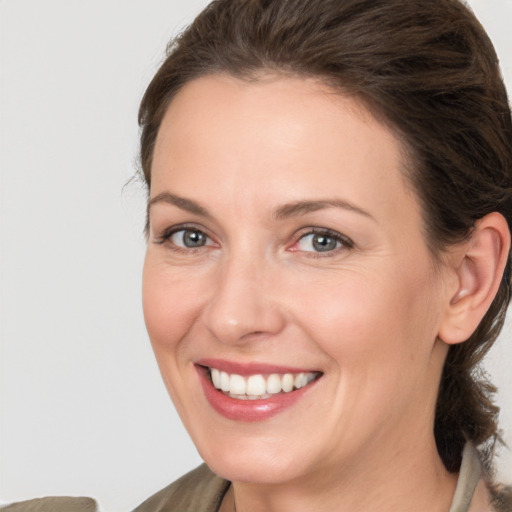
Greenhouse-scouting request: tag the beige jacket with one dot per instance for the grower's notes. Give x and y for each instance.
(202, 491)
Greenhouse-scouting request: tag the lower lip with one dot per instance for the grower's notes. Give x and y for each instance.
(248, 410)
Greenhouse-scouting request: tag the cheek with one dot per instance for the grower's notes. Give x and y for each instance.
(378, 333)
(171, 304)
(171, 301)
(371, 317)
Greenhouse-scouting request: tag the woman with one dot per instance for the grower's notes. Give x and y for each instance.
(367, 297)
(328, 253)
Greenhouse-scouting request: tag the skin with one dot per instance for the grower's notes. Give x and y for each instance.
(367, 314)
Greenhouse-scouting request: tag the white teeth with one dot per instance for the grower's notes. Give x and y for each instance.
(274, 384)
(287, 382)
(300, 380)
(224, 381)
(257, 387)
(237, 384)
(215, 377)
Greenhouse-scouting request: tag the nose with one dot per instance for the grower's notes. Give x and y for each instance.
(242, 306)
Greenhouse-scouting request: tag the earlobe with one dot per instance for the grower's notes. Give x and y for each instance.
(478, 272)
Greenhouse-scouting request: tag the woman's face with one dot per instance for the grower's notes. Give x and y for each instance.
(286, 251)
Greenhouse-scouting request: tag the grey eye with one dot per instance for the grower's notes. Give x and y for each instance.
(318, 242)
(189, 238)
(323, 243)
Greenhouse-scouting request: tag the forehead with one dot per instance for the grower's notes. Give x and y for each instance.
(268, 107)
(286, 136)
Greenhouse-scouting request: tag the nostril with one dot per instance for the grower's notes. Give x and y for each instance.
(240, 313)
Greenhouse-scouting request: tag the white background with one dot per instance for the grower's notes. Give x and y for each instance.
(83, 410)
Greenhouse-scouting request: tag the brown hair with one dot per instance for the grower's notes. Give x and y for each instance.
(429, 70)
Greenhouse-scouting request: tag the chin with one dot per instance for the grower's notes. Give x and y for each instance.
(258, 462)
(248, 469)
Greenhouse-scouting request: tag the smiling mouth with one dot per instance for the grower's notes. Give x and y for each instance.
(259, 386)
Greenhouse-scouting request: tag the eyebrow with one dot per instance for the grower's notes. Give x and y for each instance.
(181, 202)
(298, 208)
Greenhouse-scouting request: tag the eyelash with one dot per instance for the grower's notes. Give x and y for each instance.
(166, 236)
(344, 241)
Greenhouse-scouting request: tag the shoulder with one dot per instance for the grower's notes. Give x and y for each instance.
(501, 498)
(197, 491)
(474, 492)
(53, 504)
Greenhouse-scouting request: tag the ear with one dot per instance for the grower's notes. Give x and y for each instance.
(478, 266)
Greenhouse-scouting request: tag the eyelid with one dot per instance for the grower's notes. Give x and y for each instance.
(346, 242)
(168, 232)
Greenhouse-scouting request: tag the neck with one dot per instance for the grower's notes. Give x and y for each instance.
(386, 480)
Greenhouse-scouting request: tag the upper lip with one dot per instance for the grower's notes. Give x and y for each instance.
(252, 368)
